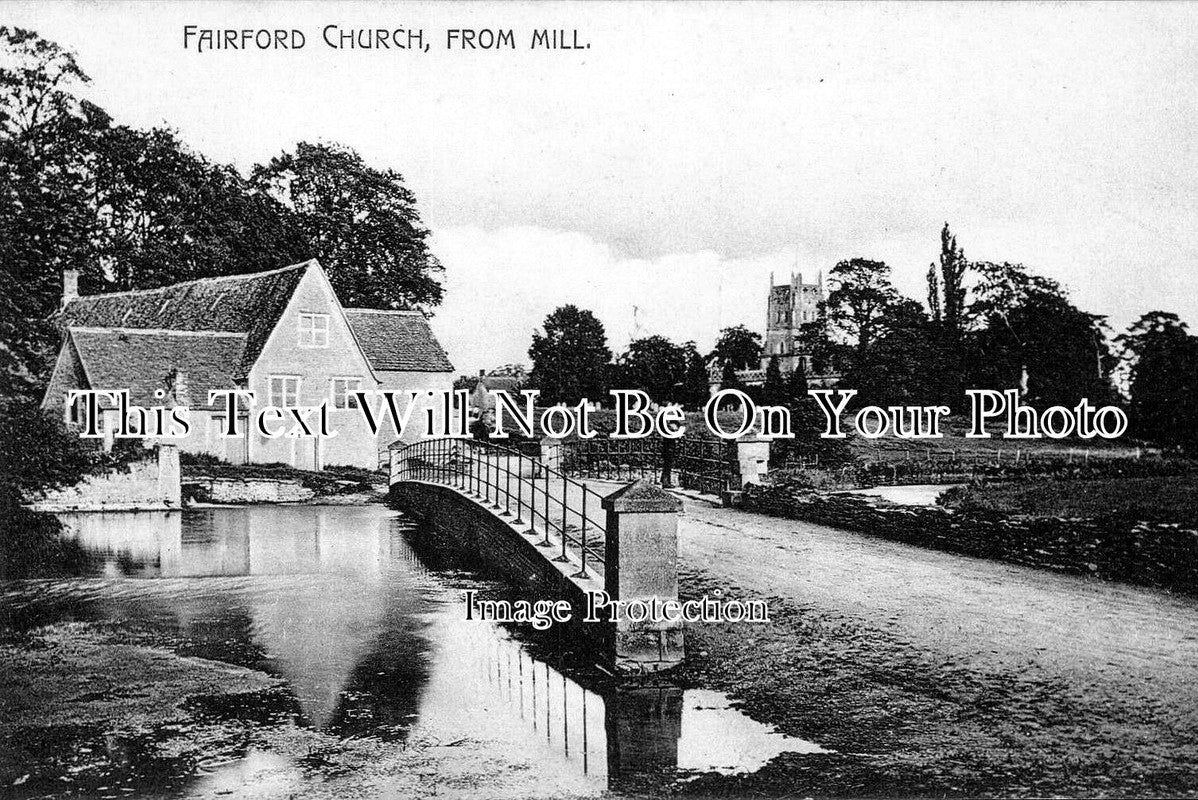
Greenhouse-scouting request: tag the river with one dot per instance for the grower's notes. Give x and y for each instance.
(362, 634)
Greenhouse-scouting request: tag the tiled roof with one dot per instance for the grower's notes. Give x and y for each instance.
(397, 340)
(507, 382)
(248, 304)
(140, 361)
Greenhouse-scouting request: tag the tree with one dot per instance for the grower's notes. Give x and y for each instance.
(909, 363)
(1162, 364)
(166, 214)
(655, 365)
(1046, 346)
(946, 290)
(773, 391)
(696, 381)
(807, 425)
(737, 346)
(730, 380)
(570, 359)
(45, 220)
(361, 222)
(861, 293)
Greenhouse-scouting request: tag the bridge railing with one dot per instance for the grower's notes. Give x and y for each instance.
(517, 486)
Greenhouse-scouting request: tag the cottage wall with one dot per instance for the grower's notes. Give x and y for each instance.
(316, 367)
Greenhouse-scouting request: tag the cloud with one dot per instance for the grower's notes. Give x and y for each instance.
(500, 285)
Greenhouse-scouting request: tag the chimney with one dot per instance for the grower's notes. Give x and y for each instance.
(70, 285)
(182, 391)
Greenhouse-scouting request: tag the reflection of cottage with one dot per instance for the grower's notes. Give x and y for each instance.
(282, 334)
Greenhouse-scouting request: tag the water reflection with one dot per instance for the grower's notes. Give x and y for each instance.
(370, 642)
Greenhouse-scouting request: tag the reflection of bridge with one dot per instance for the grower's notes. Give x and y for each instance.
(547, 531)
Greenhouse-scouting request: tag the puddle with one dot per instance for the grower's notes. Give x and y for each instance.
(909, 495)
(371, 645)
(715, 737)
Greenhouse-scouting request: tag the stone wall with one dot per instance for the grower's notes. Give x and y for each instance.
(242, 491)
(1151, 554)
(490, 539)
(149, 484)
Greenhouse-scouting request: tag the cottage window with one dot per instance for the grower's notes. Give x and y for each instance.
(313, 330)
(342, 392)
(284, 391)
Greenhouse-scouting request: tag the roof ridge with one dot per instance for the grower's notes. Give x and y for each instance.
(196, 281)
(154, 331)
(404, 312)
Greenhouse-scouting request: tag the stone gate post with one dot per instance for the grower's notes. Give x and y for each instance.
(641, 563)
(752, 459)
(551, 452)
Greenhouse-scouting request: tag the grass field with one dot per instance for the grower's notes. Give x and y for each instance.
(1157, 499)
(954, 444)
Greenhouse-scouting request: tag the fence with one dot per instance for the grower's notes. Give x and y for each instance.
(613, 459)
(703, 465)
(517, 486)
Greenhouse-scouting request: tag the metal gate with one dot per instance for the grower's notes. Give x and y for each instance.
(703, 465)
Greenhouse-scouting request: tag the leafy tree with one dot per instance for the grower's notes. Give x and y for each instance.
(361, 222)
(806, 423)
(946, 289)
(911, 363)
(1162, 360)
(861, 293)
(655, 365)
(36, 452)
(166, 214)
(45, 220)
(737, 346)
(826, 354)
(730, 380)
(1005, 286)
(696, 381)
(570, 358)
(773, 391)
(1047, 346)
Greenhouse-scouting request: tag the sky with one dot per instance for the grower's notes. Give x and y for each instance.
(659, 176)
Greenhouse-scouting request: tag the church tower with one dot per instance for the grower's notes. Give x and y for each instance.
(789, 307)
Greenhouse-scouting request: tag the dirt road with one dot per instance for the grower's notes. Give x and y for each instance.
(942, 673)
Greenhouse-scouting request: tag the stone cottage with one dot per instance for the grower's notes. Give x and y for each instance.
(282, 334)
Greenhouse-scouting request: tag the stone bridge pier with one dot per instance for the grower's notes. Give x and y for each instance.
(642, 564)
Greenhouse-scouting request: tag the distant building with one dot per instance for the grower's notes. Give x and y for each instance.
(788, 308)
(510, 377)
(282, 334)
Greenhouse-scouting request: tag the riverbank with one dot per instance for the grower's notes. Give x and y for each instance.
(211, 481)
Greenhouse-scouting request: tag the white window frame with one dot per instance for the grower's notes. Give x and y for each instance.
(312, 329)
(351, 383)
(272, 396)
